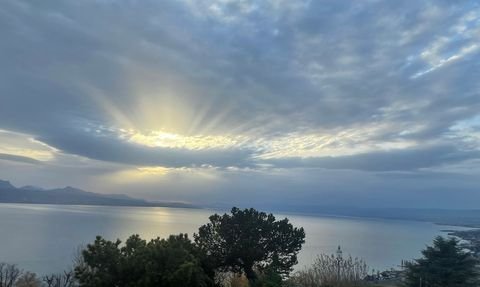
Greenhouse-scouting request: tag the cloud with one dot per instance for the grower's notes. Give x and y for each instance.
(106, 148)
(18, 158)
(459, 41)
(331, 65)
(393, 160)
(24, 147)
(371, 86)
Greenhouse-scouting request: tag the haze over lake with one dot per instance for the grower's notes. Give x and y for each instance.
(44, 238)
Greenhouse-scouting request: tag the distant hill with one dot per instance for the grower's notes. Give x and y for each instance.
(73, 196)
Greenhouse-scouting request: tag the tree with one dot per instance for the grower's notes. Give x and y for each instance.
(248, 240)
(100, 264)
(9, 275)
(28, 279)
(65, 279)
(171, 262)
(180, 261)
(444, 264)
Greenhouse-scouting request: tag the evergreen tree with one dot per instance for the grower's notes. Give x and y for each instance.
(444, 264)
(248, 240)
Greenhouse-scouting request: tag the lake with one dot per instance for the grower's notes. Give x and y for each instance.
(44, 238)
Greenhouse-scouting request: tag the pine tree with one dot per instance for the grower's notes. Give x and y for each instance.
(248, 240)
(444, 264)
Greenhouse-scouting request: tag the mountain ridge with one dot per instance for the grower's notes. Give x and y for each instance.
(73, 196)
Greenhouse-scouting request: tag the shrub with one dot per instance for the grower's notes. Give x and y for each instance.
(332, 271)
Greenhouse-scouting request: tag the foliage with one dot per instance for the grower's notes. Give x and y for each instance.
(161, 262)
(444, 264)
(248, 239)
(269, 278)
(332, 271)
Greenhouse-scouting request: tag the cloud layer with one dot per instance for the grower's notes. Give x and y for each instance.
(231, 87)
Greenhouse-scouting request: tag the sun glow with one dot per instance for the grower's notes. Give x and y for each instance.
(137, 174)
(149, 174)
(155, 170)
(346, 142)
(172, 140)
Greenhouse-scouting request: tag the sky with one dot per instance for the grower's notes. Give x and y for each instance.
(269, 103)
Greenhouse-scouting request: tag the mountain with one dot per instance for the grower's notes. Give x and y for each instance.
(31, 187)
(73, 196)
(6, 185)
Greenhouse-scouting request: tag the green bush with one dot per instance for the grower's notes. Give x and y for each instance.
(172, 262)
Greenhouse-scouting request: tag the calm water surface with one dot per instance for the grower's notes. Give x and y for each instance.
(44, 238)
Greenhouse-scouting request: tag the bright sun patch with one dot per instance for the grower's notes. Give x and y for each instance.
(172, 140)
(156, 170)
